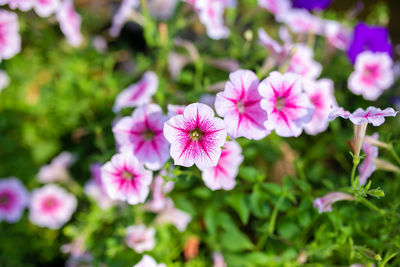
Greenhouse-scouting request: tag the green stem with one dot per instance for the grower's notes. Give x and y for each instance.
(372, 206)
(356, 161)
(394, 154)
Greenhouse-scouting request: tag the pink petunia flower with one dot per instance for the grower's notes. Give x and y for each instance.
(122, 15)
(70, 22)
(162, 9)
(239, 104)
(95, 189)
(142, 135)
(10, 44)
(276, 7)
(321, 96)
(139, 93)
(287, 106)
(139, 238)
(276, 49)
(338, 112)
(45, 8)
(337, 35)
(223, 175)
(51, 206)
(218, 260)
(368, 166)
(23, 5)
(372, 115)
(125, 179)
(372, 75)
(196, 136)
(208, 99)
(159, 189)
(148, 261)
(324, 204)
(303, 63)
(174, 216)
(301, 21)
(175, 110)
(57, 170)
(13, 199)
(211, 15)
(176, 62)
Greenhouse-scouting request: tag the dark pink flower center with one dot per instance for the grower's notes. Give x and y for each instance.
(280, 103)
(6, 200)
(196, 134)
(148, 135)
(50, 204)
(127, 175)
(371, 73)
(240, 106)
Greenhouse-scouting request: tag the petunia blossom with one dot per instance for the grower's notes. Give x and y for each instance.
(122, 15)
(211, 15)
(175, 110)
(139, 93)
(57, 170)
(336, 34)
(312, 4)
(45, 8)
(196, 136)
(70, 22)
(239, 105)
(23, 5)
(367, 167)
(223, 175)
(372, 75)
(162, 9)
(51, 206)
(174, 216)
(13, 199)
(276, 7)
(10, 44)
(301, 21)
(372, 115)
(159, 189)
(140, 238)
(95, 189)
(142, 135)
(371, 38)
(218, 260)
(321, 96)
(303, 63)
(276, 49)
(324, 204)
(148, 261)
(338, 112)
(288, 107)
(126, 179)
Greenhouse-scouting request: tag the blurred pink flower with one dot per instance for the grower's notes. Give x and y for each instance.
(70, 22)
(10, 44)
(140, 238)
(122, 15)
(337, 35)
(139, 93)
(211, 15)
(45, 8)
(57, 170)
(23, 5)
(142, 135)
(368, 166)
(324, 204)
(276, 7)
(218, 260)
(372, 115)
(321, 96)
(125, 179)
(176, 62)
(100, 44)
(196, 136)
(95, 189)
(174, 216)
(302, 21)
(372, 75)
(162, 9)
(303, 63)
(51, 206)
(223, 175)
(13, 199)
(148, 261)
(175, 110)
(208, 99)
(239, 104)
(287, 106)
(159, 189)
(276, 49)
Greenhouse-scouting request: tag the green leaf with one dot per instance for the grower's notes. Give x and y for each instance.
(234, 240)
(210, 219)
(240, 205)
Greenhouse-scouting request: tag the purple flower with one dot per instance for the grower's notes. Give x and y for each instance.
(325, 203)
(312, 4)
(13, 199)
(372, 38)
